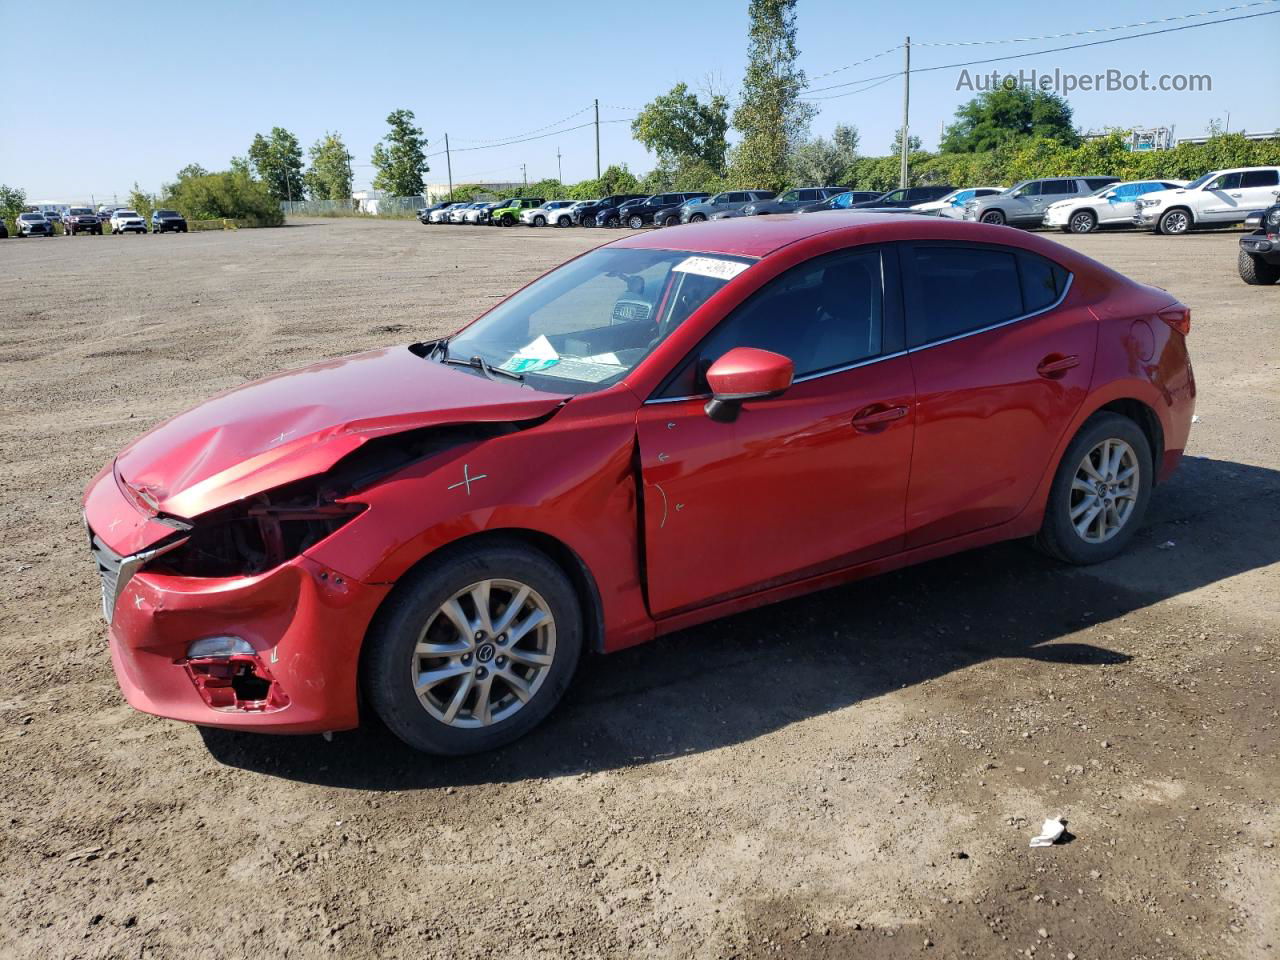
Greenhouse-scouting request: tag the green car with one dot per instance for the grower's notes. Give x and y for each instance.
(506, 214)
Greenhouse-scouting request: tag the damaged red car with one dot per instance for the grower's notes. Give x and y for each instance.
(667, 429)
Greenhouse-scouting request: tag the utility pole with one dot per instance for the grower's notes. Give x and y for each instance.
(597, 139)
(524, 175)
(559, 169)
(448, 162)
(906, 113)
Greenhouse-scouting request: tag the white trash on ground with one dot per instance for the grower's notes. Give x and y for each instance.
(1050, 832)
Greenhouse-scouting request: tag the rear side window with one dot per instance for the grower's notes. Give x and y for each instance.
(1097, 183)
(1259, 178)
(958, 290)
(1058, 187)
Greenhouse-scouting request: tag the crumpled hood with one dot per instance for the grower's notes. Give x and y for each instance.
(299, 423)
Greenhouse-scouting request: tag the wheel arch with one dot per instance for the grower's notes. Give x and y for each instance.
(1148, 422)
(1191, 214)
(565, 557)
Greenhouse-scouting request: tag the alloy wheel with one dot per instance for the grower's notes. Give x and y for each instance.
(1104, 490)
(484, 653)
(1175, 222)
(1082, 222)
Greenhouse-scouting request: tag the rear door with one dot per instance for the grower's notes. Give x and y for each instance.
(1001, 368)
(1258, 189)
(798, 485)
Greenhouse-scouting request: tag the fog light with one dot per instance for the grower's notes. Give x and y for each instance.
(219, 647)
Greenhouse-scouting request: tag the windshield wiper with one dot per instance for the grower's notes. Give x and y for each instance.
(478, 363)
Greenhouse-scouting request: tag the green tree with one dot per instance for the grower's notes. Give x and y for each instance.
(772, 118)
(913, 143)
(277, 160)
(230, 194)
(823, 162)
(400, 157)
(192, 170)
(683, 131)
(142, 202)
(329, 177)
(12, 203)
(1009, 113)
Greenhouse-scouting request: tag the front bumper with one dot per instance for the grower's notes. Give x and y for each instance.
(1057, 218)
(164, 225)
(1146, 216)
(1263, 247)
(131, 228)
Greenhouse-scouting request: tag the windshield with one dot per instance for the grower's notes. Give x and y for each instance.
(31, 216)
(79, 212)
(1202, 180)
(125, 213)
(589, 323)
(167, 213)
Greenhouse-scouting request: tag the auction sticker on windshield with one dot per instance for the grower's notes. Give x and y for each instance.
(708, 267)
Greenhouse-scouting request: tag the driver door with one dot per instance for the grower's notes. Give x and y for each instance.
(802, 484)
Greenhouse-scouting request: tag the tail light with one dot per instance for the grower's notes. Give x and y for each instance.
(1178, 317)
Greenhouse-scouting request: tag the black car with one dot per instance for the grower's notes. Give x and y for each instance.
(616, 217)
(841, 201)
(906, 197)
(660, 204)
(4, 231)
(1259, 257)
(587, 215)
(163, 221)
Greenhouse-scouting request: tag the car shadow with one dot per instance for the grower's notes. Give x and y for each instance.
(729, 681)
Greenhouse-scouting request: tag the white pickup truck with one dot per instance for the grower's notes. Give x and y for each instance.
(1217, 198)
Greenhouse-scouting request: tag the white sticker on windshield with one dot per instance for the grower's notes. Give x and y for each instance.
(709, 267)
(539, 355)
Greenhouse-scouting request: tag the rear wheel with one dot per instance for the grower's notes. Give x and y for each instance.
(1100, 492)
(1083, 221)
(1255, 271)
(473, 650)
(1175, 222)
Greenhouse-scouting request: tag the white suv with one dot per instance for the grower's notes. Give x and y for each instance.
(127, 221)
(1220, 197)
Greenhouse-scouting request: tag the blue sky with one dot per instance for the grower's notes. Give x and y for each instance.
(132, 90)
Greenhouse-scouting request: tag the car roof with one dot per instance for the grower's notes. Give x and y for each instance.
(761, 236)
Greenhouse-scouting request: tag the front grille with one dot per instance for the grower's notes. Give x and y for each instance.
(109, 564)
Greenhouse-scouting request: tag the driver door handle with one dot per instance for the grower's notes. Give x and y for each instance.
(877, 416)
(1055, 365)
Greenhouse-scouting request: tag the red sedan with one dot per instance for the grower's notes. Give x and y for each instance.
(667, 429)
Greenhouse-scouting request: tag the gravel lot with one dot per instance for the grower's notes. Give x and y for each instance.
(854, 774)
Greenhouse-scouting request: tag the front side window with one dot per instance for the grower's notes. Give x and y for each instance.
(956, 290)
(894, 197)
(825, 314)
(1228, 181)
(1031, 189)
(789, 196)
(589, 323)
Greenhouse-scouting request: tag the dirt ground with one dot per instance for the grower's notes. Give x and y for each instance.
(856, 774)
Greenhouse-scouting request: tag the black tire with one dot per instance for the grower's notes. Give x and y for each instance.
(613, 223)
(635, 222)
(994, 217)
(508, 220)
(539, 221)
(387, 656)
(564, 221)
(1058, 536)
(1175, 222)
(1255, 271)
(697, 217)
(1083, 221)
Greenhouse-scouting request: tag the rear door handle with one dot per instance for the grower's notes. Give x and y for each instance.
(1054, 365)
(877, 416)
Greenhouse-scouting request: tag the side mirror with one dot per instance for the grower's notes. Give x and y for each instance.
(742, 374)
(1109, 195)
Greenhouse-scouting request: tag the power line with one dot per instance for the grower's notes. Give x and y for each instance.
(858, 63)
(527, 132)
(849, 93)
(542, 136)
(1037, 53)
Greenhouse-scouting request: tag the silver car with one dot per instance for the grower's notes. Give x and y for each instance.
(1024, 203)
(442, 215)
(791, 200)
(730, 201)
(553, 211)
(1110, 206)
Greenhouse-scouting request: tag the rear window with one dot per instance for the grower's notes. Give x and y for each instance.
(958, 290)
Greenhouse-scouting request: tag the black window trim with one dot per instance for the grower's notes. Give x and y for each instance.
(893, 310)
(907, 305)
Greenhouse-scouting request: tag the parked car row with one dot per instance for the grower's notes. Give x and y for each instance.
(1071, 204)
(76, 220)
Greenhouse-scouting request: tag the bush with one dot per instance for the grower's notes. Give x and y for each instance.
(232, 195)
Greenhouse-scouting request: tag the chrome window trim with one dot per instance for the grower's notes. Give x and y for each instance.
(816, 375)
(1003, 323)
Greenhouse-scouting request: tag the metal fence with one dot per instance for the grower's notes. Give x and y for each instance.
(365, 207)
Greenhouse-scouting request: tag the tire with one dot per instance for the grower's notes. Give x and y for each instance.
(697, 218)
(613, 223)
(1255, 271)
(391, 667)
(635, 223)
(995, 217)
(1083, 221)
(508, 220)
(1059, 536)
(1175, 222)
(539, 221)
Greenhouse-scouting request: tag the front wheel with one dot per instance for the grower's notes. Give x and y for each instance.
(1255, 271)
(635, 223)
(1083, 221)
(1100, 492)
(508, 220)
(474, 649)
(1175, 222)
(613, 223)
(697, 218)
(539, 221)
(995, 217)
(564, 222)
